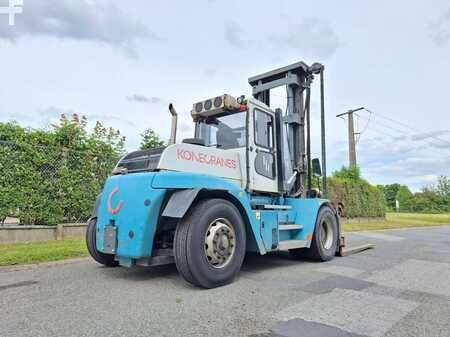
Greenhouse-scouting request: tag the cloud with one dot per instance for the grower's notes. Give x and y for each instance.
(440, 29)
(233, 35)
(100, 21)
(414, 166)
(311, 37)
(431, 134)
(185, 126)
(145, 99)
(433, 138)
(53, 114)
(416, 172)
(209, 72)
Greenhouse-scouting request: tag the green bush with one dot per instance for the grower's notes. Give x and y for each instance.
(55, 175)
(432, 199)
(360, 199)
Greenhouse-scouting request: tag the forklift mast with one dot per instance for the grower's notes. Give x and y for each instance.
(297, 78)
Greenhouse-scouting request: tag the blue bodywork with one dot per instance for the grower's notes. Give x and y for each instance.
(133, 204)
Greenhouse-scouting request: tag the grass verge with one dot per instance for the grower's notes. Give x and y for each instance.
(35, 252)
(44, 251)
(400, 220)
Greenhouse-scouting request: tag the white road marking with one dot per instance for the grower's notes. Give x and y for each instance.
(416, 275)
(354, 311)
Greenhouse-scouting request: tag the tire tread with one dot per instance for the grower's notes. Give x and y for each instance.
(105, 259)
(184, 236)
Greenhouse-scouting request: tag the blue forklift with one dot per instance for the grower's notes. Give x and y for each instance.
(243, 183)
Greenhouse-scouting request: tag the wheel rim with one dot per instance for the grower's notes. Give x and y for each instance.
(326, 234)
(220, 243)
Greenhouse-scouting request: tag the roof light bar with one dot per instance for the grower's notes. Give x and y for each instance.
(216, 106)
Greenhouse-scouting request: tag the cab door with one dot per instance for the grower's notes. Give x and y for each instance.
(263, 175)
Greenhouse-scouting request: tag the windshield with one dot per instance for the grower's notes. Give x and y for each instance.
(226, 132)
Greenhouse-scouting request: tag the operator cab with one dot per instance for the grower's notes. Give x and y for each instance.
(230, 124)
(220, 122)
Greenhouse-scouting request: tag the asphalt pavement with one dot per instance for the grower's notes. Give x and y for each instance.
(400, 288)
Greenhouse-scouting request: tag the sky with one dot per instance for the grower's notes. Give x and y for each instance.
(123, 62)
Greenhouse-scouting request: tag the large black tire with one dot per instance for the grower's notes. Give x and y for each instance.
(325, 238)
(190, 247)
(105, 259)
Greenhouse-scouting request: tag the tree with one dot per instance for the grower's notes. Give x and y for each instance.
(151, 140)
(428, 201)
(351, 173)
(405, 198)
(390, 194)
(443, 187)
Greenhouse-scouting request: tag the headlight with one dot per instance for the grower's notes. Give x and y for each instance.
(218, 101)
(199, 107)
(208, 104)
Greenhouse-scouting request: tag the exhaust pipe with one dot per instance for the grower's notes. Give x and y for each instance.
(173, 131)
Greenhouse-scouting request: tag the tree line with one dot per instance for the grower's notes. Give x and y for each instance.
(434, 198)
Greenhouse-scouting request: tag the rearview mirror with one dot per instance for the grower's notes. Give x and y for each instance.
(316, 170)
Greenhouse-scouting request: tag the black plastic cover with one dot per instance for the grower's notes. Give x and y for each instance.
(138, 161)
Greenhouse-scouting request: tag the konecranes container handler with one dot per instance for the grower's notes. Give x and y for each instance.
(243, 183)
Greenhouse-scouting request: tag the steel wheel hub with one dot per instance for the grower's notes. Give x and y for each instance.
(220, 243)
(326, 234)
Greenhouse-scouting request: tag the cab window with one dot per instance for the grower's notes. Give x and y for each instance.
(263, 125)
(225, 132)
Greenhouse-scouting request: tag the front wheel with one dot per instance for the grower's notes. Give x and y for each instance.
(105, 259)
(325, 239)
(209, 243)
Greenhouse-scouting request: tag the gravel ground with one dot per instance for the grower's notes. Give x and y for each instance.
(401, 288)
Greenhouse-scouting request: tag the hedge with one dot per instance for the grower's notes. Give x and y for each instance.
(53, 176)
(360, 199)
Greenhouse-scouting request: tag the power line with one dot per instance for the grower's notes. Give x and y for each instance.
(431, 146)
(386, 126)
(410, 135)
(364, 129)
(408, 126)
(382, 132)
(425, 145)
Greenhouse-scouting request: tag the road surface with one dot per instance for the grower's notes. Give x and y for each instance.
(401, 288)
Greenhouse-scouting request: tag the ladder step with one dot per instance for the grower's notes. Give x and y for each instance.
(291, 244)
(277, 207)
(290, 227)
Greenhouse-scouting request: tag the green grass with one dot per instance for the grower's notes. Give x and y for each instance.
(44, 251)
(401, 220)
(35, 252)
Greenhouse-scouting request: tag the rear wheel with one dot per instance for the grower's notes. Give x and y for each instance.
(325, 239)
(105, 259)
(209, 243)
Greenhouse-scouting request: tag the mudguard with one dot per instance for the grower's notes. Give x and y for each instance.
(179, 203)
(193, 181)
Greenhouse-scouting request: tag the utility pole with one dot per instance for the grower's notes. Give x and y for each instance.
(351, 135)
